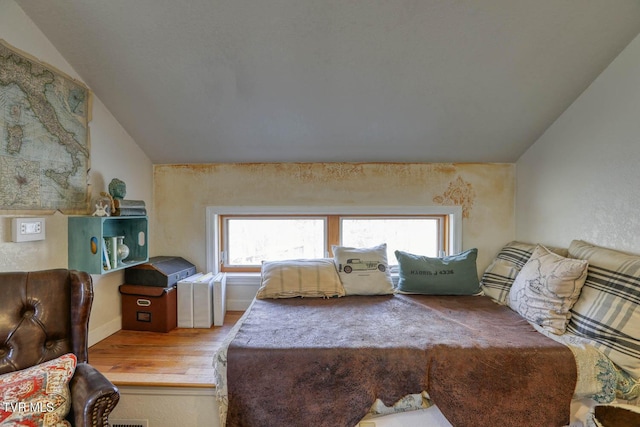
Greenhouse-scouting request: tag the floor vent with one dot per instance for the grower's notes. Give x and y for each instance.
(129, 423)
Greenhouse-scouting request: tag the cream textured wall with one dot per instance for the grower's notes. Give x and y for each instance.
(581, 179)
(113, 154)
(182, 192)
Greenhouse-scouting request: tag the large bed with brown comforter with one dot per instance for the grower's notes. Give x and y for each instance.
(323, 362)
(334, 361)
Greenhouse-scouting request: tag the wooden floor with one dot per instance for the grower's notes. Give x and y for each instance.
(179, 358)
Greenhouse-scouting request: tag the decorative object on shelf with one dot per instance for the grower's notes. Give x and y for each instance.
(111, 243)
(129, 207)
(106, 263)
(117, 251)
(117, 189)
(108, 197)
(103, 205)
(122, 250)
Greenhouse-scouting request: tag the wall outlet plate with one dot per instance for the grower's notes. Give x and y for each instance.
(27, 229)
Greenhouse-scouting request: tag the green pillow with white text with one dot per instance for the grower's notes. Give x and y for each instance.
(450, 275)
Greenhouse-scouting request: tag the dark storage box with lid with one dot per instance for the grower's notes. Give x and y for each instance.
(161, 271)
(149, 295)
(149, 308)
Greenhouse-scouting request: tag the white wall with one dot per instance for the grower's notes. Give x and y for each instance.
(113, 154)
(581, 179)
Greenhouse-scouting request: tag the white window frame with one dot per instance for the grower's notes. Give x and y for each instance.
(213, 250)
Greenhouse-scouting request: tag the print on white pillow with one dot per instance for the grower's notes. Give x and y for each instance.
(363, 271)
(547, 287)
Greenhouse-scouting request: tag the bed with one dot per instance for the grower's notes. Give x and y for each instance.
(434, 360)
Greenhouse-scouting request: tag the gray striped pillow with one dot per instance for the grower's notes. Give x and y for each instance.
(300, 278)
(499, 276)
(608, 309)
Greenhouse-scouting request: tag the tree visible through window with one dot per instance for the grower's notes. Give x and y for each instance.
(419, 236)
(252, 240)
(247, 240)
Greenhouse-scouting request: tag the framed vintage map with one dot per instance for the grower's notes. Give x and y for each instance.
(44, 136)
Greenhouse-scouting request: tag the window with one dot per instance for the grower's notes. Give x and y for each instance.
(423, 235)
(247, 241)
(239, 241)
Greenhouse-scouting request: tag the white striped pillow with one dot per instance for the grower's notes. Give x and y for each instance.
(608, 309)
(300, 278)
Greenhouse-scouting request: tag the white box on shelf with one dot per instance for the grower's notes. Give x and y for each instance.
(219, 298)
(202, 301)
(185, 301)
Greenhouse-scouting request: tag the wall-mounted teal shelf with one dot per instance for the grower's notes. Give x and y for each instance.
(87, 241)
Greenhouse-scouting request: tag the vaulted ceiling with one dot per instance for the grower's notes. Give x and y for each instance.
(208, 81)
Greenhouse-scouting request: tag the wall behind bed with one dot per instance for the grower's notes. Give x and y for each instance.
(581, 179)
(182, 192)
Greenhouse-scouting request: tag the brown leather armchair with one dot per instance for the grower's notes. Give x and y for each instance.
(43, 315)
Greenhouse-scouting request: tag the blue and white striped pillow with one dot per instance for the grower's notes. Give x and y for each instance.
(608, 309)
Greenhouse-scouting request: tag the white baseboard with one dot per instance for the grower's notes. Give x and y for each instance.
(238, 304)
(241, 289)
(101, 332)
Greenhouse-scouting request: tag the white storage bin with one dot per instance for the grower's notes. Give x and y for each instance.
(201, 300)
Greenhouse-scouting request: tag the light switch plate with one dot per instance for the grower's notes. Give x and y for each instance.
(27, 229)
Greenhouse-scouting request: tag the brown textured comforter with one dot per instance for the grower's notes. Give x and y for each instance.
(323, 362)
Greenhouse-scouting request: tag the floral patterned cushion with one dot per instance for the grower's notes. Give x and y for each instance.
(599, 378)
(547, 287)
(39, 395)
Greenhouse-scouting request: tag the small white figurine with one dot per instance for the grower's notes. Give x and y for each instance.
(102, 208)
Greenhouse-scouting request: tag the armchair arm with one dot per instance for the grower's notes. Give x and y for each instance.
(93, 397)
